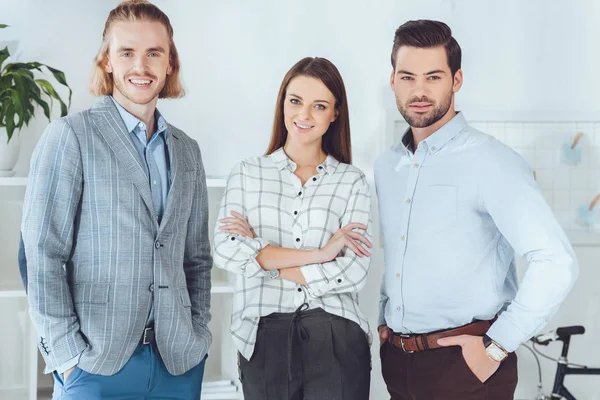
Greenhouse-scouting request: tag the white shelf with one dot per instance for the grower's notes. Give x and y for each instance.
(220, 390)
(222, 287)
(212, 181)
(13, 181)
(16, 290)
(222, 396)
(11, 290)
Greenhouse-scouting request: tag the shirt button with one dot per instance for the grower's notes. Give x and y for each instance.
(314, 179)
(299, 193)
(433, 148)
(295, 212)
(403, 238)
(157, 244)
(339, 280)
(299, 289)
(398, 308)
(407, 201)
(398, 276)
(151, 288)
(297, 239)
(416, 165)
(320, 167)
(154, 182)
(232, 238)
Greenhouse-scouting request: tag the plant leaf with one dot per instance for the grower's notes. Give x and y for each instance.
(60, 77)
(2, 26)
(10, 120)
(4, 54)
(49, 90)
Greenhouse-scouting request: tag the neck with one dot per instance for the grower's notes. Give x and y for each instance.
(143, 112)
(305, 155)
(420, 134)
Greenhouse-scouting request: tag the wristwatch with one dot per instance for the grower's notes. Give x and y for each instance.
(274, 273)
(494, 350)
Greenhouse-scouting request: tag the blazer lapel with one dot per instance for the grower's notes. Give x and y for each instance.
(176, 155)
(111, 127)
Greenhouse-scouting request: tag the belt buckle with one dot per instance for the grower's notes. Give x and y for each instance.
(402, 343)
(144, 341)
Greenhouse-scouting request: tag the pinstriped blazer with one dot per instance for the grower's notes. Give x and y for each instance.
(97, 257)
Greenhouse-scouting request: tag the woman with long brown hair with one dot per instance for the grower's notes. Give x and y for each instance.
(294, 225)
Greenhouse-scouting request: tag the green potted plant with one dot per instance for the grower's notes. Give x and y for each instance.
(20, 94)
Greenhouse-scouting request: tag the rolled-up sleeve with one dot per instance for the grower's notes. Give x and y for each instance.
(232, 252)
(528, 224)
(347, 272)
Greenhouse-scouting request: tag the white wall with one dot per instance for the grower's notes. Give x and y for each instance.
(517, 55)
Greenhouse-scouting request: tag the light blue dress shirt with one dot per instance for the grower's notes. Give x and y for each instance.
(453, 213)
(155, 156)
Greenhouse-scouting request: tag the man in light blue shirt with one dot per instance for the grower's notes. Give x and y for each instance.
(456, 205)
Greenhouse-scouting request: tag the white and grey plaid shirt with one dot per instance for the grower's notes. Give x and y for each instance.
(284, 213)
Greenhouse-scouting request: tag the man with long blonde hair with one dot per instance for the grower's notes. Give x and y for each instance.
(115, 229)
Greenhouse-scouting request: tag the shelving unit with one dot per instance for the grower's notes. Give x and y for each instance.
(18, 342)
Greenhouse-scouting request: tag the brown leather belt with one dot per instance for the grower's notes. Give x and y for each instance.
(428, 341)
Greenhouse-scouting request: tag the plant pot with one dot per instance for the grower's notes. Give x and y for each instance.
(9, 153)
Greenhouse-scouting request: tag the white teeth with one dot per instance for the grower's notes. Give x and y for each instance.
(303, 126)
(140, 82)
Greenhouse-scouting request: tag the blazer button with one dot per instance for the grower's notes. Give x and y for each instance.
(151, 288)
(157, 244)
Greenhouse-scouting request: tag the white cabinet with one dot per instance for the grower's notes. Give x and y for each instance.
(21, 365)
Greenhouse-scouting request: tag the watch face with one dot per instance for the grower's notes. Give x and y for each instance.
(274, 273)
(495, 352)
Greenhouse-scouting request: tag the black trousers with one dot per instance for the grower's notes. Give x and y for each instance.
(311, 355)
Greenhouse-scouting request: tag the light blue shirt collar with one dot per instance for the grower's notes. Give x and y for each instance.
(132, 122)
(438, 139)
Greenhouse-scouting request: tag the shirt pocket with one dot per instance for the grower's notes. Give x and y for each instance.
(440, 208)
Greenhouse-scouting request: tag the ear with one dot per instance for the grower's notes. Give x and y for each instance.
(170, 67)
(107, 66)
(458, 81)
(335, 115)
(392, 78)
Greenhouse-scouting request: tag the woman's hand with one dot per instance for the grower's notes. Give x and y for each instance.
(238, 225)
(346, 237)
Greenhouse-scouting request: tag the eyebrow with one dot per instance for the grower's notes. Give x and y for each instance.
(154, 49)
(436, 71)
(316, 101)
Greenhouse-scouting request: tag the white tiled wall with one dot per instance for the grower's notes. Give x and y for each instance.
(565, 187)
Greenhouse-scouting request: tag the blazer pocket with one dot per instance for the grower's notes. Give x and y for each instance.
(185, 297)
(91, 293)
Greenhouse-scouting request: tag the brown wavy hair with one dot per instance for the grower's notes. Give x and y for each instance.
(101, 82)
(336, 141)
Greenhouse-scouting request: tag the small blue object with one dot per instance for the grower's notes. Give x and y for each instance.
(570, 155)
(585, 216)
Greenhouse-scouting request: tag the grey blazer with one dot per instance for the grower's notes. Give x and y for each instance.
(97, 257)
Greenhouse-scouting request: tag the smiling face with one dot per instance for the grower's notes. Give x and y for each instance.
(308, 110)
(139, 61)
(423, 85)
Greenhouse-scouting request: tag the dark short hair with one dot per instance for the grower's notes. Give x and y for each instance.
(424, 33)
